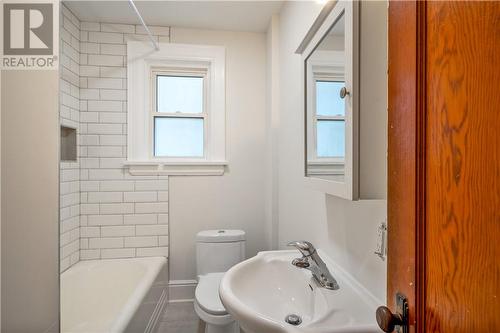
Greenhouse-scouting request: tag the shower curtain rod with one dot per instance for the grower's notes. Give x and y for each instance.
(153, 41)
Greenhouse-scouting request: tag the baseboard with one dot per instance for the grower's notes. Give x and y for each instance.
(181, 290)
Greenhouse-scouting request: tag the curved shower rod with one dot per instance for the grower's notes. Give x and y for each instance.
(153, 41)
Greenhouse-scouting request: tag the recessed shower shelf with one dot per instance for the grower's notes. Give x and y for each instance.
(68, 144)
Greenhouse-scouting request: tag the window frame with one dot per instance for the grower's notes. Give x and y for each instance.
(142, 62)
(324, 66)
(332, 76)
(154, 113)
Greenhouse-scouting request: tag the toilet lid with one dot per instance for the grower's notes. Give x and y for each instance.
(207, 294)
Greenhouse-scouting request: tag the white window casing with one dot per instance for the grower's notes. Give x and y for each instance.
(143, 64)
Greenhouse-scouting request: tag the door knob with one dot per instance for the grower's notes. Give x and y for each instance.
(388, 321)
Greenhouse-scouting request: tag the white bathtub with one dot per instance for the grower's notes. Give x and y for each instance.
(116, 295)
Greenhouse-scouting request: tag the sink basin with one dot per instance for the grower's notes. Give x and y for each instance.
(262, 291)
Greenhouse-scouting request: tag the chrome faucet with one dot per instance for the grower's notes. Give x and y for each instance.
(311, 260)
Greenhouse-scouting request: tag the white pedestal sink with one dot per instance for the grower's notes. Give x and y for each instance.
(260, 292)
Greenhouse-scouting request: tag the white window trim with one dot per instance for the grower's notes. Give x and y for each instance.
(153, 112)
(322, 65)
(142, 62)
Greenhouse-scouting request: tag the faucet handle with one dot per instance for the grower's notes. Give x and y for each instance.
(304, 247)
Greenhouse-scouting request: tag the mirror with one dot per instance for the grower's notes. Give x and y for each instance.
(326, 106)
(330, 113)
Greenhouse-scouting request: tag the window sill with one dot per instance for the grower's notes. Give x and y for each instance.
(162, 168)
(318, 167)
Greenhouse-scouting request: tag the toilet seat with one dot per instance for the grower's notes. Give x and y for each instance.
(207, 294)
(210, 319)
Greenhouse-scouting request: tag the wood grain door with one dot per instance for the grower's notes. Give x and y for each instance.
(444, 164)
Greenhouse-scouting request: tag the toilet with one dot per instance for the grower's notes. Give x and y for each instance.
(216, 252)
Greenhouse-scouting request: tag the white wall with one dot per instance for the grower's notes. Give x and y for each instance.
(272, 130)
(345, 230)
(30, 277)
(235, 200)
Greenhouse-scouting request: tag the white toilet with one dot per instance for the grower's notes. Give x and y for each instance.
(216, 252)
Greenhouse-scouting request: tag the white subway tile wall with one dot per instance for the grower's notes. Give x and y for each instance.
(69, 115)
(122, 216)
(104, 211)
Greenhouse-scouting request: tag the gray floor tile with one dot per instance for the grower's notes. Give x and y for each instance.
(180, 318)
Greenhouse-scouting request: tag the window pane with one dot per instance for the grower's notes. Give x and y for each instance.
(178, 137)
(331, 138)
(328, 101)
(179, 94)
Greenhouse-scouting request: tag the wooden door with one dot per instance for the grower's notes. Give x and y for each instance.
(444, 164)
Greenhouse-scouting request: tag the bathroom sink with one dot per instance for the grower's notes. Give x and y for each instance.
(262, 291)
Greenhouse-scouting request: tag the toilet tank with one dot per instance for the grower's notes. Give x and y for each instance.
(219, 250)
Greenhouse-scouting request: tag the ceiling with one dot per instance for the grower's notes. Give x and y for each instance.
(216, 15)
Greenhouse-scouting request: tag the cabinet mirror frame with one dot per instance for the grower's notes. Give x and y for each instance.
(349, 11)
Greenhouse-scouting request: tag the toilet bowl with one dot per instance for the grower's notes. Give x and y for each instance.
(216, 252)
(209, 308)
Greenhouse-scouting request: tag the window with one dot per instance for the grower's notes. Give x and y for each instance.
(329, 118)
(179, 114)
(176, 109)
(326, 113)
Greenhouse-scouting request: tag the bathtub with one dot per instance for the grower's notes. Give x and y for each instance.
(115, 295)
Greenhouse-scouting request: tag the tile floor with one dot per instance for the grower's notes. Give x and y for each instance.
(180, 318)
